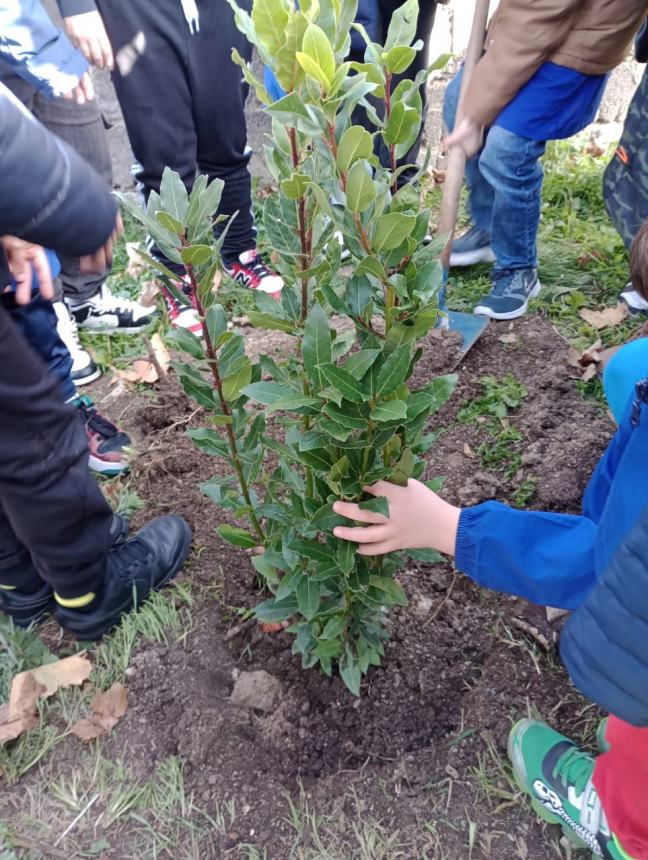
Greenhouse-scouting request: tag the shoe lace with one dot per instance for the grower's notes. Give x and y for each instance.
(574, 767)
(129, 554)
(115, 303)
(67, 322)
(506, 284)
(259, 268)
(94, 420)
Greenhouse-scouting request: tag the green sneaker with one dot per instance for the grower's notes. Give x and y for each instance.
(558, 777)
(601, 741)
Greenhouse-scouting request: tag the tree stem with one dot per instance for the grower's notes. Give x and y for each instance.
(218, 384)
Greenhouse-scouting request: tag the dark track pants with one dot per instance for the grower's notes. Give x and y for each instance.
(183, 98)
(50, 506)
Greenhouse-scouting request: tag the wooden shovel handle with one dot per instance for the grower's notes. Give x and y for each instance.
(456, 158)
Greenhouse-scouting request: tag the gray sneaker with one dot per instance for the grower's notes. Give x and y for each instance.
(473, 247)
(509, 298)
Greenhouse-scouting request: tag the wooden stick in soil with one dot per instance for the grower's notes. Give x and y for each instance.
(231, 438)
(456, 157)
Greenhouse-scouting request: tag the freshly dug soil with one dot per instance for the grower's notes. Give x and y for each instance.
(421, 746)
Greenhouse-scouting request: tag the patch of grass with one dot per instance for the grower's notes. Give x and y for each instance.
(164, 617)
(501, 396)
(493, 776)
(21, 649)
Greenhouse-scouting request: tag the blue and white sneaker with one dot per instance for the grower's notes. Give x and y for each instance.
(473, 247)
(509, 298)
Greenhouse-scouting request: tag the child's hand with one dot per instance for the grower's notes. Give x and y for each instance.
(418, 519)
(26, 260)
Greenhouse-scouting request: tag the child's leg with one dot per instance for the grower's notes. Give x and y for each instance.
(37, 322)
(621, 780)
(481, 198)
(510, 164)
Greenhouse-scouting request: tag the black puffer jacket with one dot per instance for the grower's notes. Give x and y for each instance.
(605, 642)
(48, 194)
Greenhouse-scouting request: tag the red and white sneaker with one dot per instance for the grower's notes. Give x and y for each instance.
(250, 271)
(182, 316)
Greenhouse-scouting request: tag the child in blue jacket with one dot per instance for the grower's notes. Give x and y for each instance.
(549, 559)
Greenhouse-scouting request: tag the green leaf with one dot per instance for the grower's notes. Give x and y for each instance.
(316, 344)
(360, 189)
(187, 342)
(403, 469)
(237, 536)
(174, 196)
(328, 648)
(311, 549)
(402, 27)
(308, 596)
(296, 186)
(375, 505)
(371, 266)
(269, 322)
(267, 392)
(240, 373)
(208, 441)
(340, 468)
(296, 403)
(289, 107)
(197, 255)
(390, 588)
(401, 122)
(348, 385)
(317, 47)
(160, 267)
(343, 415)
(216, 323)
(359, 363)
(390, 410)
(392, 229)
(374, 74)
(325, 519)
(288, 71)
(440, 389)
(289, 583)
(350, 674)
(318, 459)
(393, 372)
(399, 58)
(334, 627)
(169, 223)
(251, 79)
(345, 556)
(273, 610)
(270, 19)
(355, 143)
(201, 392)
(359, 293)
(281, 229)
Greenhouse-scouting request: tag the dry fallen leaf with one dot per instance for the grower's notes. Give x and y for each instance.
(149, 292)
(25, 693)
(108, 708)
(161, 352)
(11, 730)
(587, 362)
(69, 672)
(136, 264)
(508, 338)
(605, 318)
(272, 626)
(141, 370)
(468, 451)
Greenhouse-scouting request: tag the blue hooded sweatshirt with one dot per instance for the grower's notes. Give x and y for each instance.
(556, 559)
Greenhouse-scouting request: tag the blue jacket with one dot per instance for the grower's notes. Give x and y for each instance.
(37, 50)
(556, 559)
(604, 645)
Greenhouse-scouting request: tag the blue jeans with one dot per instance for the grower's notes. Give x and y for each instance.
(37, 322)
(505, 183)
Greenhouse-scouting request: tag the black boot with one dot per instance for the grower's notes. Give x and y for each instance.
(30, 603)
(135, 568)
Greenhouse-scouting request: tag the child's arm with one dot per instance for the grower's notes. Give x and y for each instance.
(544, 557)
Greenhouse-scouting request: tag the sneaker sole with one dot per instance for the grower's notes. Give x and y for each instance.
(114, 329)
(181, 556)
(85, 380)
(458, 259)
(485, 311)
(110, 470)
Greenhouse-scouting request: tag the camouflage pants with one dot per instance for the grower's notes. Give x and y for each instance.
(625, 181)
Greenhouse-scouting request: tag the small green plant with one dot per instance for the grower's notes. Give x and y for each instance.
(339, 412)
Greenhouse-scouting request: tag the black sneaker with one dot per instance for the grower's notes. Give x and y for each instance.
(106, 314)
(108, 446)
(30, 607)
(135, 568)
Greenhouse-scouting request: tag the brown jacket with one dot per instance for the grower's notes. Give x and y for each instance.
(591, 36)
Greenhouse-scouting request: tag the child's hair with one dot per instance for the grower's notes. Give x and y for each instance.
(639, 261)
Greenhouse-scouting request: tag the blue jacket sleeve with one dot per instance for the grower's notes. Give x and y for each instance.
(544, 557)
(37, 50)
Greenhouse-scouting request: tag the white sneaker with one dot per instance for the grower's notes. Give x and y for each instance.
(84, 370)
(634, 300)
(105, 313)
